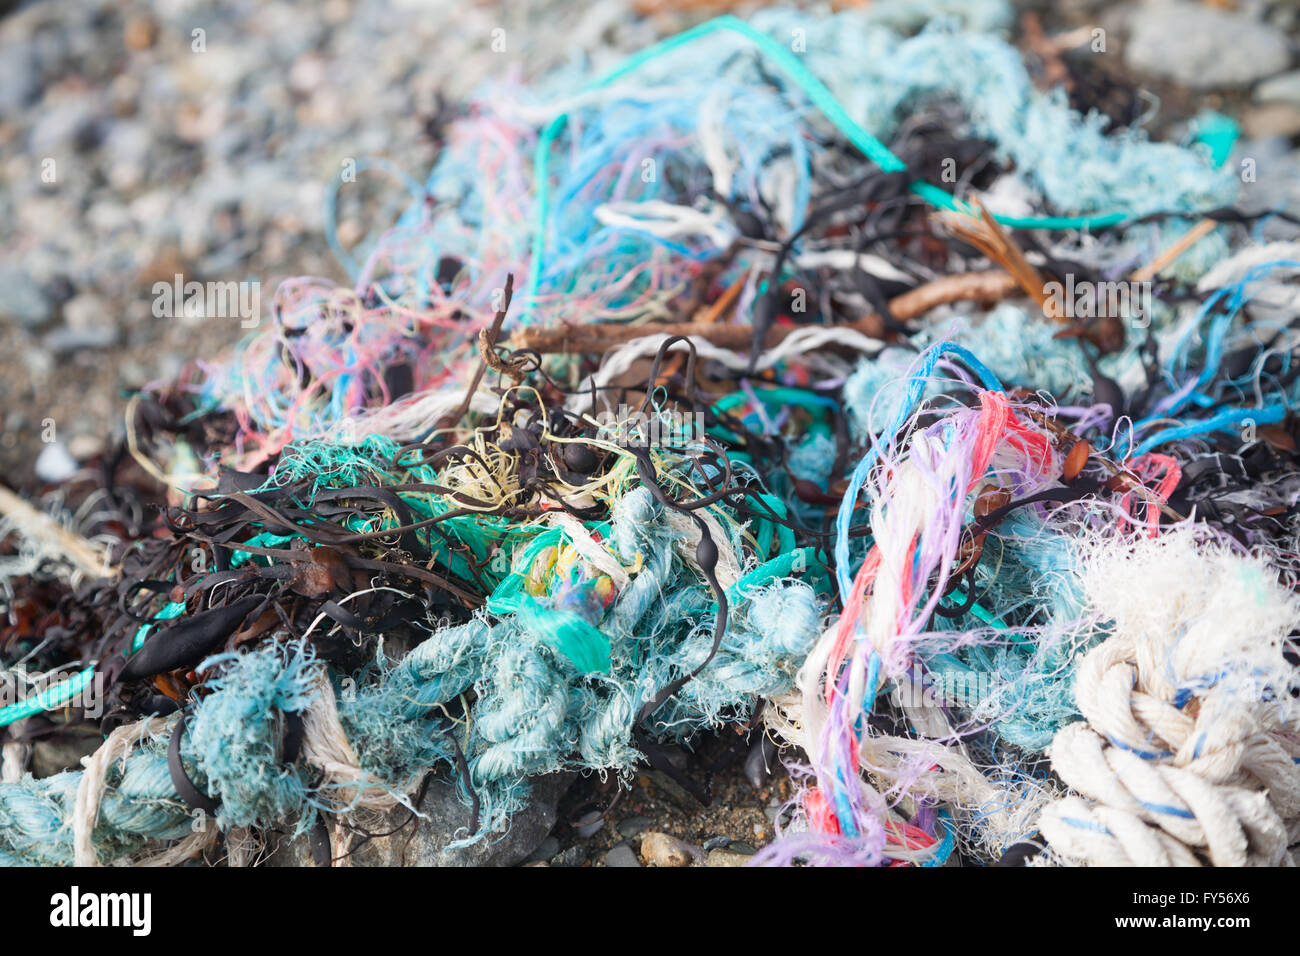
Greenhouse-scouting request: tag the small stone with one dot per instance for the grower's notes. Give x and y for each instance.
(547, 849)
(589, 825)
(1276, 119)
(660, 849)
(54, 464)
(1204, 48)
(633, 826)
(140, 33)
(85, 311)
(62, 123)
(20, 78)
(308, 73)
(573, 856)
(759, 762)
(725, 858)
(717, 843)
(21, 300)
(1280, 89)
(38, 362)
(85, 447)
(621, 855)
(67, 340)
(61, 753)
(675, 793)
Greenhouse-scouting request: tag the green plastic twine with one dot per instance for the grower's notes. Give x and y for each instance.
(52, 698)
(820, 96)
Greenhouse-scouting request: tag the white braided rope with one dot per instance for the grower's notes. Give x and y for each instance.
(1187, 752)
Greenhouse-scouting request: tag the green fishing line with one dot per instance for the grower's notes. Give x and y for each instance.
(52, 698)
(821, 97)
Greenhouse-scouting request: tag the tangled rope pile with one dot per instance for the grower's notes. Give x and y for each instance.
(784, 427)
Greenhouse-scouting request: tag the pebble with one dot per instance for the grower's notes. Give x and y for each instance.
(68, 340)
(88, 323)
(20, 78)
(661, 849)
(140, 33)
(85, 447)
(1202, 47)
(21, 300)
(725, 858)
(37, 363)
(672, 790)
(759, 762)
(54, 464)
(1275, 119)
(545, 850)
(58, 754)
(589, 825)
(573, 856)
(633, 826)
(621, 855)
(1280, 89)
(85, 311)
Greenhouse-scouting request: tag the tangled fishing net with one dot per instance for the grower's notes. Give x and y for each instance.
(817, 372)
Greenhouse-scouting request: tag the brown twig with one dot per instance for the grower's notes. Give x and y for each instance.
(1185, 242)
(987, 286)
(487, 342)
(987, 235)
(710, 316)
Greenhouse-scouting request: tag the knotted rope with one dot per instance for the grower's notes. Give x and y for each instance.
(1188, 753)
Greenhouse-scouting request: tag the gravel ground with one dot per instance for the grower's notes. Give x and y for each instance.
(139, 141)
(738, 820)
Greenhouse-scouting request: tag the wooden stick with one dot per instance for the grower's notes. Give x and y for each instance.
(1185, 242)
(987, 286)
(987, 235)
(708, 315)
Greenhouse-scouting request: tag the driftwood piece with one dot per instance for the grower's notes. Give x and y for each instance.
(988, 286)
